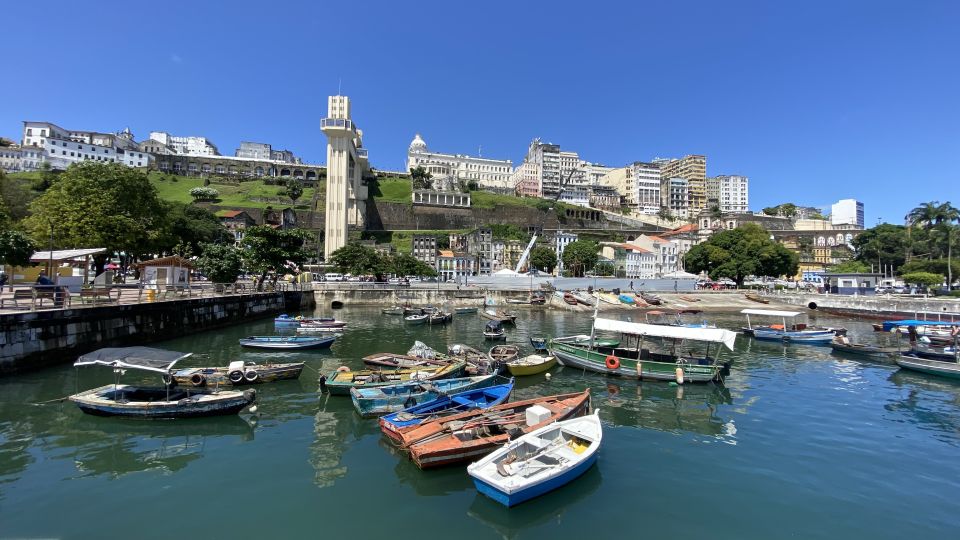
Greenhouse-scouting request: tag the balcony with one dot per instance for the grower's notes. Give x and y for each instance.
(361, 153)
(338, 124)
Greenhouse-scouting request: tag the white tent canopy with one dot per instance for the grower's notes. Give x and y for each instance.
(771, 312)
(711, 335)
(65, 254)
(680, 274)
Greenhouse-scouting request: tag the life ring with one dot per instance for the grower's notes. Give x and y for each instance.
(251, 375)
(198, 380)
(612, 362)
(343, 369)
(236, 376)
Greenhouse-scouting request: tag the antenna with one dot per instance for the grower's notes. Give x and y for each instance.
(339, 84)
(480, 151)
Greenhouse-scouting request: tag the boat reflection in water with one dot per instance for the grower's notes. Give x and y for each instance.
(336, 427)
(929, 402)
(548, 508)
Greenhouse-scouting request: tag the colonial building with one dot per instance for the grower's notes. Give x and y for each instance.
(604, 198)
(264, 151)
(182, 164)
(450, 171)
(190, 146)
(665, 253)
(347, 166)
(639, 262)
(728, 193)
(236, 221)
(454, 266)
(62, 148)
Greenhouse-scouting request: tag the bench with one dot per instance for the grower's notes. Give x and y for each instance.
(19, 295)
(34, 297)
(98, 294)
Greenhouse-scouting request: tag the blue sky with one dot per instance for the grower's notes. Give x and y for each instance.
(814, 101)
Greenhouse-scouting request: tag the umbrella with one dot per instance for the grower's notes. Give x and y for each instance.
(112, 266)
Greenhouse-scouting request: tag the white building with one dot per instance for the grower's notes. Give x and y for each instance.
(729, 192)
(576, 195)
(639, 262)
(265, 152)
(61, 147)
(561, 241)
(646, 187)
(15, 158)
(191, 146)
(665, 253)
(449, 170)
(674, 196)
(847, 212)
(346, 164)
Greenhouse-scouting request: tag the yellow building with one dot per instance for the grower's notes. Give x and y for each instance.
(692, 168)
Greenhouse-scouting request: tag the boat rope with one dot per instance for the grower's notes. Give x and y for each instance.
(57, 400)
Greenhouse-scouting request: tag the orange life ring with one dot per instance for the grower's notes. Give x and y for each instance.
(612, 362)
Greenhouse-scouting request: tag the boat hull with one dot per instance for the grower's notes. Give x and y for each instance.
(212, 376)
(867, 351)
(372, 407)
(336, 384)
(534, 369)
(393, 427)
(100, 402)
(536, 490)
(817, 337)
(652, 370)
(289, 345)
(950, 370)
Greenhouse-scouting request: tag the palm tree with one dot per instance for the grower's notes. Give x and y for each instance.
(935, 216)
(950, 215)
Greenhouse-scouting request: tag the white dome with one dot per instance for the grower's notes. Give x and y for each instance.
(418, 144)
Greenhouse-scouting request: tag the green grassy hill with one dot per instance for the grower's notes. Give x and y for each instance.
(249, 194)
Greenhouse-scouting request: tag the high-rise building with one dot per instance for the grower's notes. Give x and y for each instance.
(551, 167)
(448, 170)
(191, 146)
(646, 180)
(425, 249)
(675, 196)
(847, 212)
(692, 168)
(346, 164)
(728, 192)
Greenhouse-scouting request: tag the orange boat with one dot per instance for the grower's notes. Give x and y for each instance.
(470, 435)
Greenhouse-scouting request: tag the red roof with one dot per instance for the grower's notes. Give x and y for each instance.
(689, 227)
(229, 213)
(636, 248)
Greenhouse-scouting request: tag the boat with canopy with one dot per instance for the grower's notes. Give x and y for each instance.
(168, 401)
(789, 333)
(631, 358)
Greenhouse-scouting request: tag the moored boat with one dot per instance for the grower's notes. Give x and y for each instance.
(939, 367)
(583, 298)
(420, 318)
(287, 342)
(470, 435)
(394, 424)
(540, 461)
(464, 310)
(843, 345)
(504, 353)
(500, 315)
(340, 382)
(493, 330)
(371, 402)
(651, 299)
(395, 310)
(167, 401)
(237, 373)
(531, 365)
(756, 298)
(787, 333)
(322, 323)
(570, 299)
(538, 343)
(439, 317)
(626, 299)
(394, 360)
(607, 298)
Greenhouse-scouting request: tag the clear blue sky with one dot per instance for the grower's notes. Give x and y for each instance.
(814, 101)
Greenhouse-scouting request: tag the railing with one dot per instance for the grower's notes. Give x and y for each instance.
(338, 123)
(362, 153)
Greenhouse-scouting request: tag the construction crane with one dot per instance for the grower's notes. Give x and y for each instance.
(533, 240)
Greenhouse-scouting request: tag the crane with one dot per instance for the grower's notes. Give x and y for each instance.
(533, 240)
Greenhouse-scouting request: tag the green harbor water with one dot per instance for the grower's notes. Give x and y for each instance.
(799, 443)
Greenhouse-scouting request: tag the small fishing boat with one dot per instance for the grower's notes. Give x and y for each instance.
(531, 365)
(570, 299)
(583, 298)
(941, 367)
(393, 360)
(237, 373)
(312, 330)
(504, 353)
(651, 299)
(540, 461)
(407, 310)
(607, 298)
(394, 424)
(470, 435)
(537, 298)
(626, 299)
(166, 401)
(287, 342)
(371, 402)
(439, 317)
(787, 333)
(843, 345)
(325, 323)
(416, 319)
(539, 344)
(299, 319)
(465, 310)
(494, 330)
(339, 382)
(756, 298)
(478, 363)
(500, 315)
(395, 310)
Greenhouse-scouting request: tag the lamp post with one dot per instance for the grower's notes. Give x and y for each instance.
(50, 253)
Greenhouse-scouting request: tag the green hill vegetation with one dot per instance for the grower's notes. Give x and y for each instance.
(247, 194)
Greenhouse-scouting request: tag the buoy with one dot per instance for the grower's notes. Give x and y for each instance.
(679, 375)
(251, 375)
(612, 362)
(343, 369)
(548, 376)
(253, 409)
(198, 379)
(639, 370)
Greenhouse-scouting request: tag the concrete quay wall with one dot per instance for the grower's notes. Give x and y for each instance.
(879, 307)
(31, 340)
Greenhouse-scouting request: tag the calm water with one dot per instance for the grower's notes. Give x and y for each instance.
(799, 443)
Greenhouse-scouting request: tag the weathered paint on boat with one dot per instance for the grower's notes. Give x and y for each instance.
(339, 383)
(210, 376)
(114, 400)
(655, 367)
(287, 342)
(530, 366)
(372, 402)
(951, 370)
(766, 333)
(394, 424)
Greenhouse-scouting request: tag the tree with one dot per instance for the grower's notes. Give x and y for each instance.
(188, 226)
(15, 248)
(359, 260)
(267, 249)
(204, 194)
(15, 198)
(604, 268)
(940, 217)
(580, 256)
(784, 210)
(936, 266)
(221, 263)
(294, 190)
(544, 258)
(741, 252)
(420, 178)
(851, 266)
(884, 244)
(95, 204)
(925, 279)
(715, 212)
(663, 214)
(46, 179)
(405, 264)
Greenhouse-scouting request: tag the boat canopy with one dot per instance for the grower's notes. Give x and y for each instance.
(887, 325)
(494, 326)
(712, 335)
(770, 312)
(143, 358)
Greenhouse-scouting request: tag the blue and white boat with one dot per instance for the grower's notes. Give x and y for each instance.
(287, 343)
(396, 423)
(540, 461)
(787, 333)
(626, 299)
(397, 397)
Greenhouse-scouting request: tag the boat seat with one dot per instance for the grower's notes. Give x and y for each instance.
(236, 365)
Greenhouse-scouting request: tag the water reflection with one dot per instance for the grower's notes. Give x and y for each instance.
(929, 402)
(550, 508)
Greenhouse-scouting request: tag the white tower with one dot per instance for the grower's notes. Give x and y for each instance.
(346, 164)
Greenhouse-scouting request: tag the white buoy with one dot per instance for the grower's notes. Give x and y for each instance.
(548, 376)
(253, 409)
(639, 370)
(679, 375)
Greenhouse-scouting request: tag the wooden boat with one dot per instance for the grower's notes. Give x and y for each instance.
(494, 330)
(371, 402)
(464, 310)
(393, 360)
(625, 299)
(637, 362)
(416, 319)
(844, 345)
(237, 373)
(531, 365)
(686, 298)
(407, 311)
(504, 353)
(607, 298)
(478, 363)
(394, 424)
(756, 298)
(787, 333)
(570, 299)
(167, 401)
(470, 435)
(537, 299)
(287, 342)
(539, 344)
(540, 461)
(583, 298)
(500, 315)
(331, 323)
(339, 382)
(299, 319)
(395, 310)
(439, 317)
(313, 330)
(651, 299)
(940, 367)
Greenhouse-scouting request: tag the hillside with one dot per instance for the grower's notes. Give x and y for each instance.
(249, 194)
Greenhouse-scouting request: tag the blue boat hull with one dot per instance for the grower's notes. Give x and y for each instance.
(410, 394)
(513, 499)
(463, 401)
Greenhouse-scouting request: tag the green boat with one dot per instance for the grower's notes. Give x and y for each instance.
(942, 368)
(635, 361)
(339, 382)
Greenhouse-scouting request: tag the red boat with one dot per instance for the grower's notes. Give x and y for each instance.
(570, 299)
(470, 435)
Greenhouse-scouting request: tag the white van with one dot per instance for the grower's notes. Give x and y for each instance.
(333, 277)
